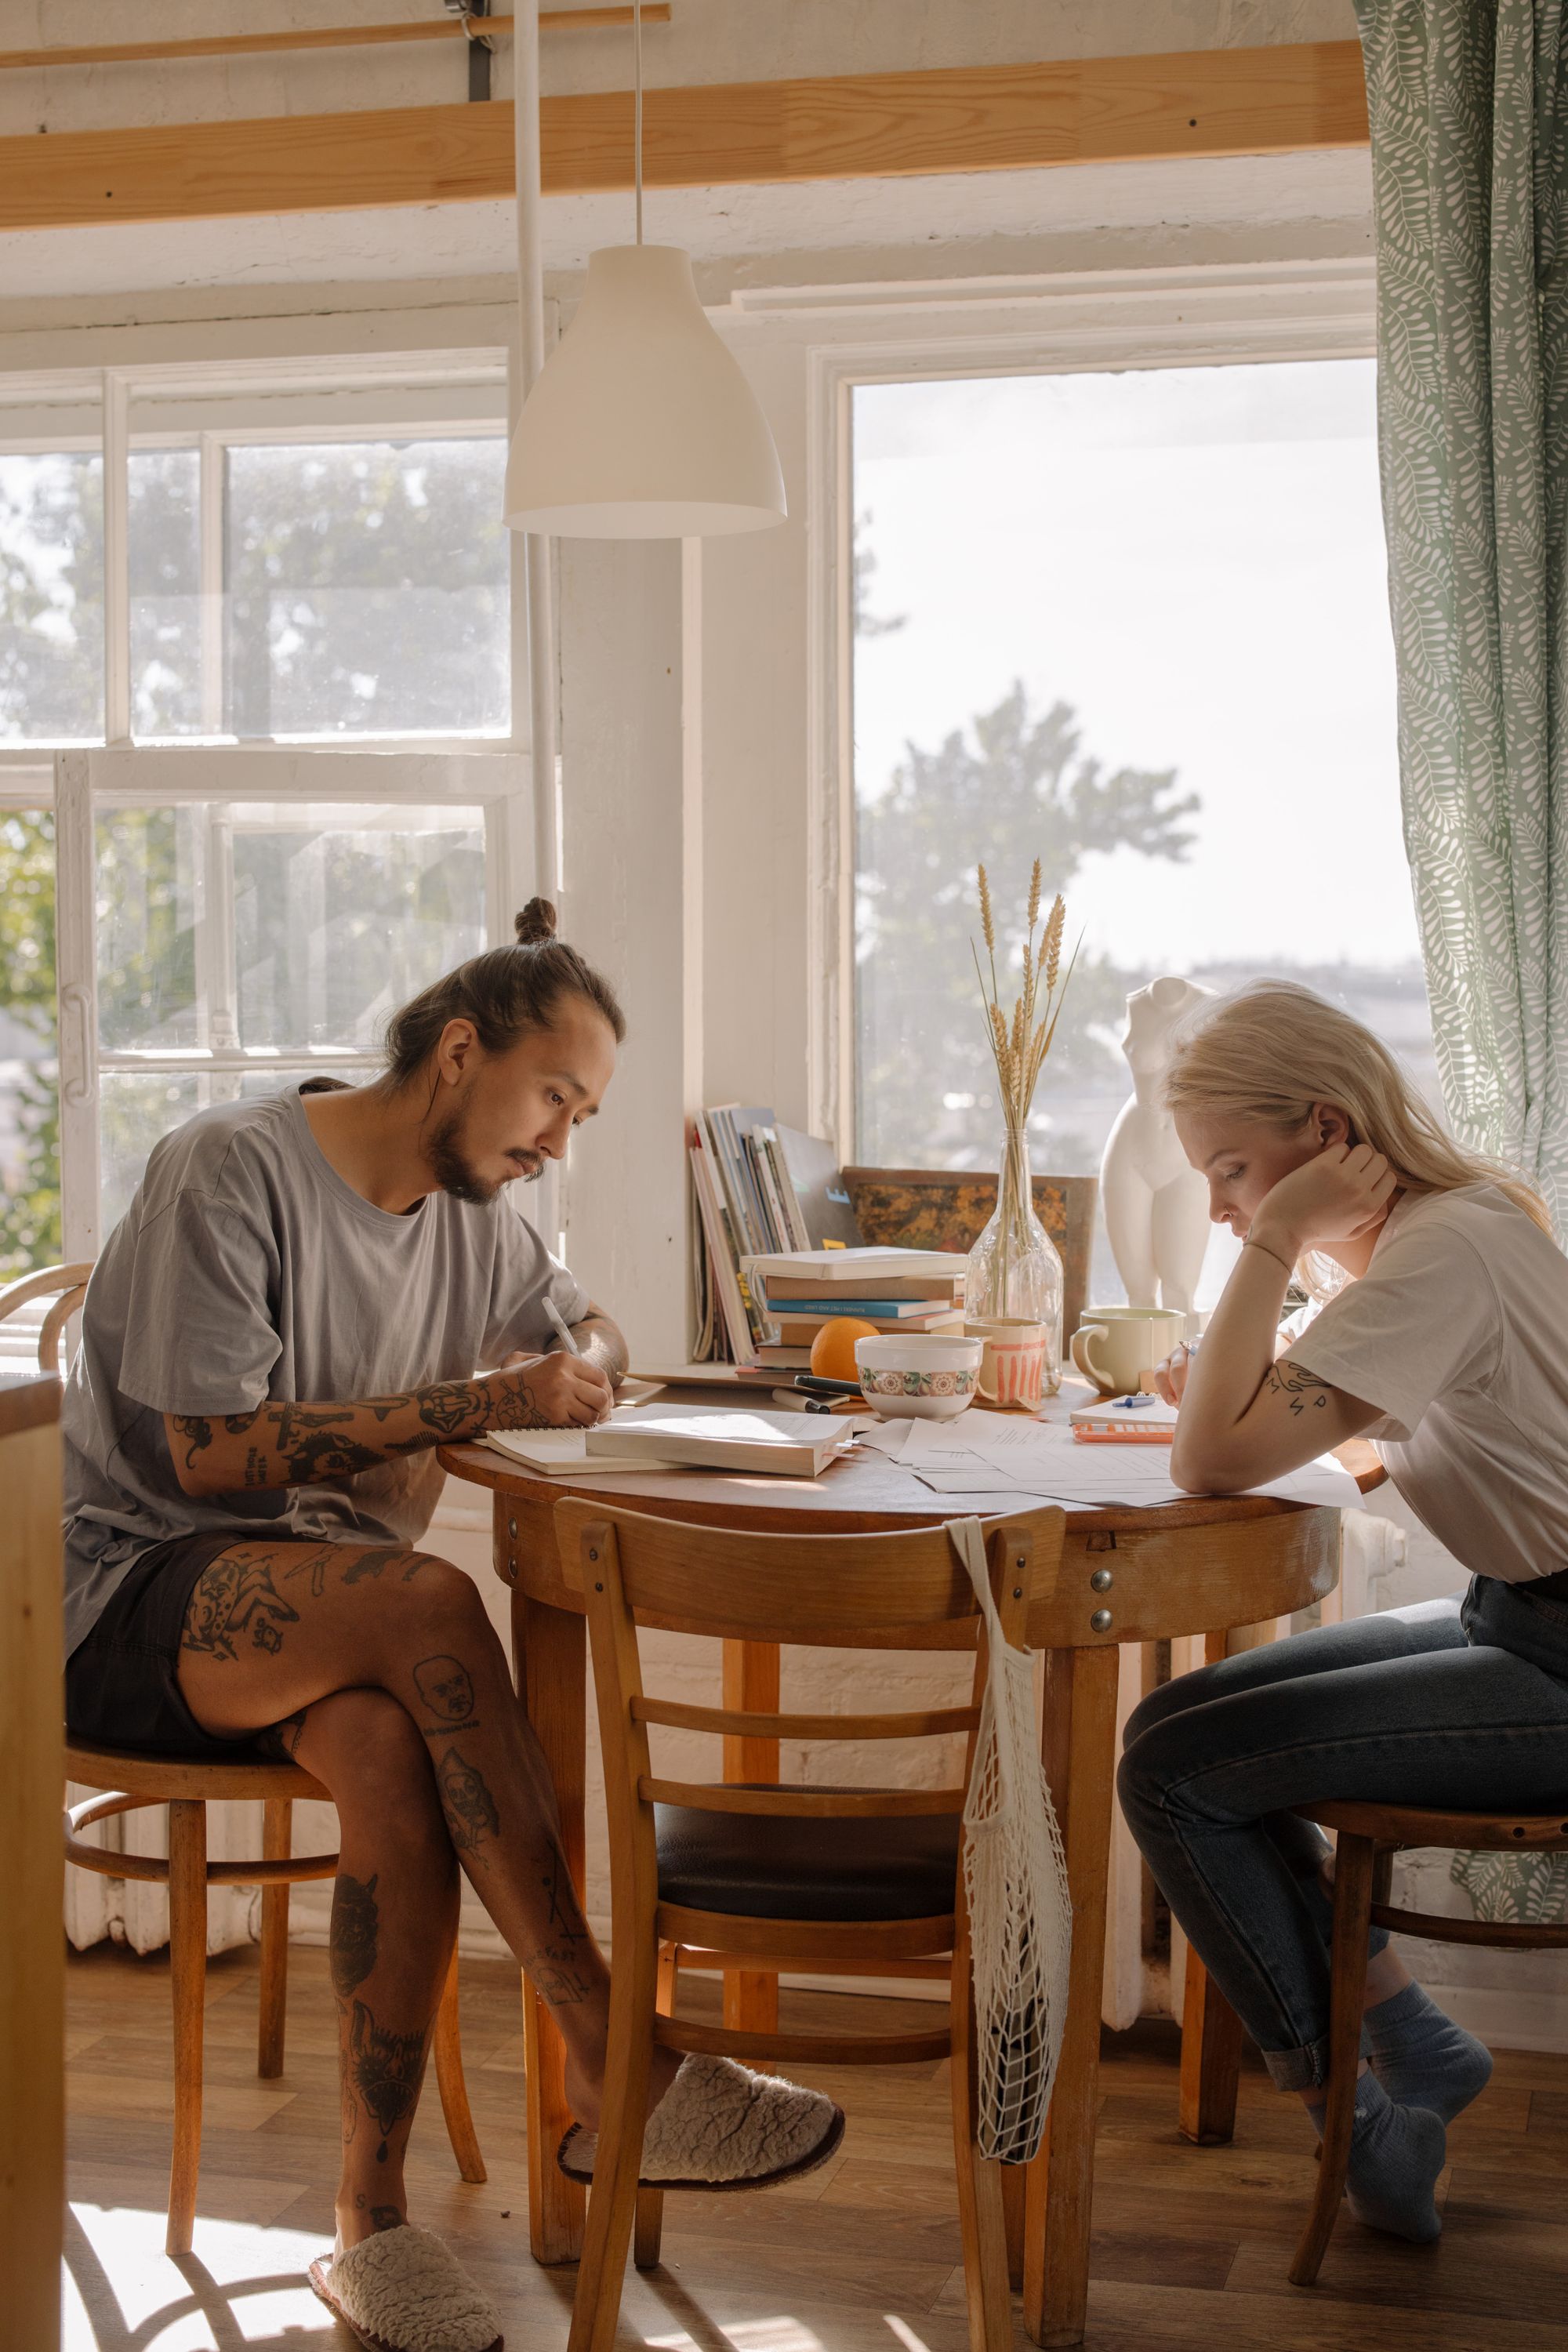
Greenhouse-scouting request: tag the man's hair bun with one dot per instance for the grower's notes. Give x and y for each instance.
(536, 923)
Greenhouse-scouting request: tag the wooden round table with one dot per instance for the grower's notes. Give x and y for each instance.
(1213, 1567)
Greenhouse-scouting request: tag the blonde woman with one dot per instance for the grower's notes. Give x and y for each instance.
(1443, 1338)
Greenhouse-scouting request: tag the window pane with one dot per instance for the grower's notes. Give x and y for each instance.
(342, 914)
(165, 554)
(149, 901)
(51, 598)
(1136, 625)
(29, 1127)
(366, 588)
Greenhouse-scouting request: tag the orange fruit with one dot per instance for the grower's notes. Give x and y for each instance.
(833, 1350)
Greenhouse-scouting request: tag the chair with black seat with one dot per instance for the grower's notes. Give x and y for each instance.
(128, 1782)
(817, 1878)
(1367, 1838)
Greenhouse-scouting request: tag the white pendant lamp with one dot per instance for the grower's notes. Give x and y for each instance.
(641, 425)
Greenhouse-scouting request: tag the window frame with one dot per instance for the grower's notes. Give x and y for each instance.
(1074, 323)
(448, 394)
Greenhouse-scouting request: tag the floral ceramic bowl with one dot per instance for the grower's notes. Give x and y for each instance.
(918, 1378)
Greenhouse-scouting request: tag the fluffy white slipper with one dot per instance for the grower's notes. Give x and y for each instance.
(718, 2126)
(404, 2290)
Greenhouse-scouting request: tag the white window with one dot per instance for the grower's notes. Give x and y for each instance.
(1135, 624)
(305, 801)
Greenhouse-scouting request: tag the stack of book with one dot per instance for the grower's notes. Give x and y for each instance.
(760, 1189)
(893, 1289)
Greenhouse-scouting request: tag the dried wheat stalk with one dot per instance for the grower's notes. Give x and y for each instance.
(1019, 1040)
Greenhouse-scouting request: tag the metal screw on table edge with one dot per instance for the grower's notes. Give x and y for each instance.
(1100, 1622)
(1101, 1581)
(598, 1587)
(1018, 1592)
(594, 1556)
(511, 1529)
(511, 1568)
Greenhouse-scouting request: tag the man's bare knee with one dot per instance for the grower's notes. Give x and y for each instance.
(366, 1748)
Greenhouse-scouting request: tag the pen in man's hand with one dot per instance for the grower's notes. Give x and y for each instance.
(555, 1315)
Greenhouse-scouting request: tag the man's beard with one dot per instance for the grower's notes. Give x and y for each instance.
(457, 1174)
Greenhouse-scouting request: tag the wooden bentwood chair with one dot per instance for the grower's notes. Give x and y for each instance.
(128, 1782)
(831, 1880)
(1369, 1836)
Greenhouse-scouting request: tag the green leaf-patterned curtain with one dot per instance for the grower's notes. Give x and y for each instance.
(1469, 101)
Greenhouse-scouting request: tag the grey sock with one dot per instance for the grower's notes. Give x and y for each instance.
(1421, 2057)
(1396, 2154)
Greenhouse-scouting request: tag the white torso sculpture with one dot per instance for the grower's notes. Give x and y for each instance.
(1156, 1206)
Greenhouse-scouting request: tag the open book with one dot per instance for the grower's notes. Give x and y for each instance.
(701, 1438)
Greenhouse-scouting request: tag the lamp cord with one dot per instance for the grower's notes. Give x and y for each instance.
(636, 116)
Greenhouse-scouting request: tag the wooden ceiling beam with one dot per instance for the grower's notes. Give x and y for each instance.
(1206, 102)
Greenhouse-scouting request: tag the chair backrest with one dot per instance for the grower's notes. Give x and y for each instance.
(71, 1282)
(947, 1208)
(901, 1590)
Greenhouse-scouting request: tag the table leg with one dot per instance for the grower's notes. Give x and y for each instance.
(751, 1685)
(552, 1665)
(1079, 1745)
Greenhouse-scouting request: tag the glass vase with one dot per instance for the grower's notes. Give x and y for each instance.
(1014, 1269)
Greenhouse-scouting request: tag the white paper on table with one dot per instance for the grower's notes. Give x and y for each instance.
(1045, 1459)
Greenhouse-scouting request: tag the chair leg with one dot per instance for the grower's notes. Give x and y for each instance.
(612, 2201)
(982, 2207)
(1014, 2211)
(277, 1844)
(1211, 2059)
(1353, 1868)
(449, 2081)
(187, 1971)
(646, 2240)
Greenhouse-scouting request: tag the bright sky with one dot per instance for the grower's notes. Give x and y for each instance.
(1194, 558)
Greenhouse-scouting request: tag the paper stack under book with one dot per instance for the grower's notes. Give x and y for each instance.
(893, 1289)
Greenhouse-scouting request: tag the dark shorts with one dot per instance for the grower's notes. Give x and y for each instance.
(123, 1685)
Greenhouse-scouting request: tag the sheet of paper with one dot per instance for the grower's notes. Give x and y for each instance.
(988, 1453)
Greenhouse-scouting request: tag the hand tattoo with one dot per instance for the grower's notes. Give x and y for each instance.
(352, 1939)
(447, 1688)
(386, 2069)
(235, 1595)
(470, 1809)
(1301, 1391)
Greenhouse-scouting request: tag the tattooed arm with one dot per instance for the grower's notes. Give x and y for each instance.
(288, 1444)
(1246, 1418)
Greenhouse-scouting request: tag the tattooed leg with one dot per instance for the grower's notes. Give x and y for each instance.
(395, 1915)
(415, 1628)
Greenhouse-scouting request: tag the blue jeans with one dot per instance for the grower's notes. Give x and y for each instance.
(1463, 1704)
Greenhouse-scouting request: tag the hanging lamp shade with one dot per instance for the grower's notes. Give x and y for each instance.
(640, 424)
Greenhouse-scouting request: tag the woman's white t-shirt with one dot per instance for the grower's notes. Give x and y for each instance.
(1457, 1332)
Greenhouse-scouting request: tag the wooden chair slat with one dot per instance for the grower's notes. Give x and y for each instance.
(814, 2049)
(1403, 1826)
(804, 1939)
(736, 1723)
(800, 1804)
(852, 1591)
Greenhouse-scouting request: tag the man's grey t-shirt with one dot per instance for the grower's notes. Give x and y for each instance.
(246, 1270)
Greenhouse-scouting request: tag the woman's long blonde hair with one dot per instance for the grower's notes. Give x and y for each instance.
(1272, 1049)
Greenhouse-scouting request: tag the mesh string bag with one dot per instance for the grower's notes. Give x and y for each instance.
(1016, 1886)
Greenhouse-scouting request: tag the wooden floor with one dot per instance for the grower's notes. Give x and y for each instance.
(1190, 2244)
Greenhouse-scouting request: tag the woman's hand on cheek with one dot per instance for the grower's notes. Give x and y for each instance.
(1341, 1193)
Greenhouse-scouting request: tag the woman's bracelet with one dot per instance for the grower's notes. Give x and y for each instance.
(1250, 1244)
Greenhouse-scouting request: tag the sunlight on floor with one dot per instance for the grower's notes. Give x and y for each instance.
(904, 2332)
(241, 2285)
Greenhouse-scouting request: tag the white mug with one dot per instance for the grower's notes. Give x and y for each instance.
(1115, 1345)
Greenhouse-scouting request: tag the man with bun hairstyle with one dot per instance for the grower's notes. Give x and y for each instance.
(307, 1295)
